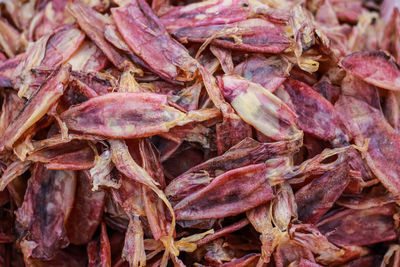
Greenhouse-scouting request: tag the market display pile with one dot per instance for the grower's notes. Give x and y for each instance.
(214, 133)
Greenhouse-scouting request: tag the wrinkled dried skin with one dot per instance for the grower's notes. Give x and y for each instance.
(184, 185)
(86, 212)
(13, 171)
(316, 198)
(267, 72)
(260, 108)
(133, 251)
(100, 82)
(92, 23)
(46, 207)
(247, 152)
(261, 219)
(289, 251)
(124, 162)
(126, 198)
(215, 94)
(147, 37)
(12, 104)
(307, 235)
(210, 64)
(315, 166)
(360, 227)
(188, 98)
(155, 213)
(255, 35)
(130, 115)
(24, 146)
(20, 17)
(216, 253)
(153, 206)
(374, 67)
(57, 140)
(76, 93)
(205, 13)
(22, 76)
(127, 81)
(364, 176)
(229, 194)
(74, 155)
(338, 37)
(150, 160)
(61, 46)
(365, 122)
(197, 77)
(316, 115)
(196, 133)
(123, 115)
(88, 58)
(305, 34)
(45, 54)
(37, 106)
(230, 132)
(103, 173)
(224, 57)
(172, 140)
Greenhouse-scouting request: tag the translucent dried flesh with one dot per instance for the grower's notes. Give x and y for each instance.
(213, 133)
(365, 122)
(375, 224)
(126, 115)
(93, 24)
(374, 67)
(316, 115)
(52, 194)
(260, 108)
(150, 40)
(224, 197)
(316, 198)
(39, 104)
(257, 35)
